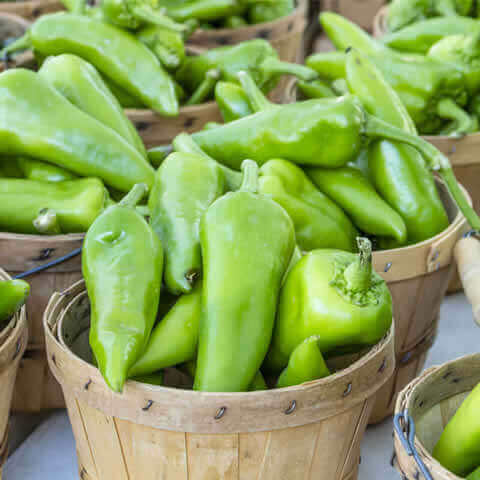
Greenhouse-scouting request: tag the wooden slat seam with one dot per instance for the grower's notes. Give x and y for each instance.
(125, 463)
(319, 428)
(265, 452)
(86, 435)
(187, 461)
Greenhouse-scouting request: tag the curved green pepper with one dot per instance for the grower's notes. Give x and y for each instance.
(122, 264)
(177, 202)
(42, 171)
(76, 204)
(349, 188)
(248, 238)
(475, 475)
(13, 294)
(174, 339)
(155, 378)
(232, 101)
(315, 89)
(319, 222)
(306, 363)
(122, 59)
(80, 83)
(234, 21)
(458, 449)
(261, 13)
(38, 122)
(334, 295)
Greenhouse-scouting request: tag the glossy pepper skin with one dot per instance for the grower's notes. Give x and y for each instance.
(334, 295)
(398, 172)
(13, 294)
(122, 264)
(458, 449)
(261, 13)
(185, 186)
(353, 192)
(319, 222)
(256, 56)
(306, 363)
(42, 171)
(419, 37)
(38, 122)
(232, 101)
(76, 203)
(247, 239)
(174, 339)
(80, 83)
(122, 59)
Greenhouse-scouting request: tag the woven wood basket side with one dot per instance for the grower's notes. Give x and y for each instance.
(312, 431)
(359, 11)
(380, 22)
(13, 341)
(31, 9)
(431, 401)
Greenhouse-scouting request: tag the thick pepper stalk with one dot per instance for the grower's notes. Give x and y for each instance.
(13, 294)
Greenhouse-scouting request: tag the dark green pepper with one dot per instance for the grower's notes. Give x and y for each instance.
(122, 263)
(232, 101)
(122, 59)
(13, 294)
(76, 204)
(269, 12)
(319, 222)
(174, 339)
(38, 122)
(177, 202)
(335, 295)
(249, 238)
(306, 363)
(80, 83)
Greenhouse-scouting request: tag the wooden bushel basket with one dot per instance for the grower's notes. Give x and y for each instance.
(311, 431)
(31, 9)
(359, 11)
(35, 388)
(429, 403)
(13, 341)
(418, 277)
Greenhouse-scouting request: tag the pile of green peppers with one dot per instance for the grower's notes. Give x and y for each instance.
(145, 62)
(436, 74)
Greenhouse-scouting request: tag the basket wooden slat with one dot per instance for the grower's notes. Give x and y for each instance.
(431, 401)
(13, 341)
(31, 9)
(308, 431)
(380, 22)
(359, 11)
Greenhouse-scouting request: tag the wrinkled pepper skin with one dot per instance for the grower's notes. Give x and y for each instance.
(115, 53)
(174, 339)
(306, 363)
(419, 37)
(185, 186)
(319, 222)
(398, 172)
(268, 12)
(458, 449)
(122, 263)
(38, 122)
(247, 242)
(232, 101)
(334, 295)
(352, 191)
(80, 83)
(76, 203)
(42, 171)
(13, 294)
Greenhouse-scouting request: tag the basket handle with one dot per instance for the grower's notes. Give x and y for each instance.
(467, 255)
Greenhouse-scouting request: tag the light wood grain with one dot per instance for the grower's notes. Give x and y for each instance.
(31, 9)
(359, 11)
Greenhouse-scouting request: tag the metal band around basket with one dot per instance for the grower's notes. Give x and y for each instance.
(406, 434)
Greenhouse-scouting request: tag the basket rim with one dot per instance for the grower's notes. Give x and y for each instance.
(13, 17)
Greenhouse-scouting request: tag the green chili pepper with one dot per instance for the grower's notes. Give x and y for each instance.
(261, 13)
(205, 90)
(80, 83)
(306, 363)
(167, 46)
(397, 171)
(122, 59)
(177, 203)
(419, 37)
(122, 265)
(155, 378)
(76, 203)
(249, 238)
(458, 449)
(475, 475)
(319, 222)
(38, 122)
(255, 56)
(124, 98)
(234, 21)
(13, 294)
(315, 89)
(335, 295)
(329, 65)
(232, 101)
(174, 339)
(10, 168)
(42, 171)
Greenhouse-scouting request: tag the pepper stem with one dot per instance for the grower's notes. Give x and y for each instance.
(204, 90)
(149, 15)
(272, 66)
(358, 274)
(47, 222)
(250, 176)
(258, 101)
(132, 198)
(448, 109)
(21, 43)
(436, 160)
